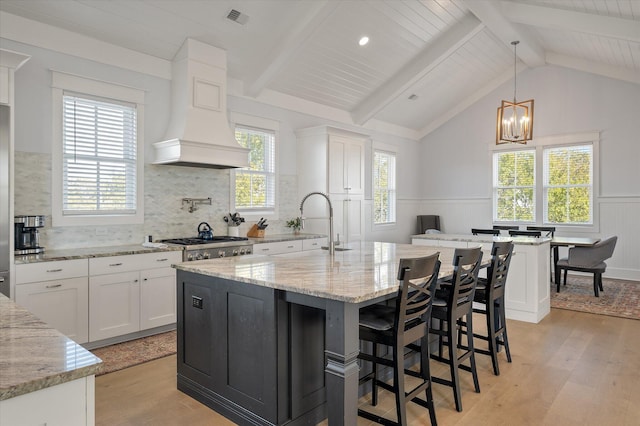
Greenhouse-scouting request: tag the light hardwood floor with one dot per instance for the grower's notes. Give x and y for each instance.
(570, 369)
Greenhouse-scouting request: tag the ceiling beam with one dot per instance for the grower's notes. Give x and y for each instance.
(568, 20)
(597, 68)
(443, 47)
(269, 67)
(490, 13)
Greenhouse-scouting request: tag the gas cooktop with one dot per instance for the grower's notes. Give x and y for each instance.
(197, 241)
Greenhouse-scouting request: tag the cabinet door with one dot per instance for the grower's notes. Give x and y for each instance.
(114, 305)
(346, 165)
(63, 304)
(348, 218)
(157, 297)
(278, 247)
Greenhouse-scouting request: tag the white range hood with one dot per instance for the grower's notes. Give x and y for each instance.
(198, 134)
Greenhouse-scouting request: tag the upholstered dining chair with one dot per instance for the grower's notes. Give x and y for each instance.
(589, 259)
(428, 221)
(398, 327)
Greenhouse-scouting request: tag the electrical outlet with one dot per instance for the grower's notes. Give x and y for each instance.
(196, 302)
(102, 231)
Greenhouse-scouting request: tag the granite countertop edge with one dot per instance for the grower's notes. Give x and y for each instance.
(90, 252)
(35, 356)
(533, 241)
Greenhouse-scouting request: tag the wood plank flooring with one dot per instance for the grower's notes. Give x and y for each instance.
(571, 369)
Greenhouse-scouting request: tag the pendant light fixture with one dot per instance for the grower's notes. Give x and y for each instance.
(515, 119)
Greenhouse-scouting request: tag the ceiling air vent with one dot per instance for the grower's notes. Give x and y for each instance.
(237, 16)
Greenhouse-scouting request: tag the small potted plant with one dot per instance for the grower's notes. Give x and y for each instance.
(295, 224)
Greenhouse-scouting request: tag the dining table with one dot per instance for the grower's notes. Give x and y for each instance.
(557, 242)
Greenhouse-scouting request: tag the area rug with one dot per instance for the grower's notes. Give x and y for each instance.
(620, 298)
(122, 355)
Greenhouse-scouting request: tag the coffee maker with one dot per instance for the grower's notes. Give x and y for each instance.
(27, 238)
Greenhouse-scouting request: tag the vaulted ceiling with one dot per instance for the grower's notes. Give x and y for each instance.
(426, 61)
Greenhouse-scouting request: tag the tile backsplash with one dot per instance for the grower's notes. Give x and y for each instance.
(164, 217)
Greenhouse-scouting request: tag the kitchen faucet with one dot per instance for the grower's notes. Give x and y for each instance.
(332, 245)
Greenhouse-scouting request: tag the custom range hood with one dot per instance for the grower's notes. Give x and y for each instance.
(199, 134)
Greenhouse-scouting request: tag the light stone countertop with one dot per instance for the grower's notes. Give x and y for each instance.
(534, 241)
(87, 252)
(364, 273)
(34, 356)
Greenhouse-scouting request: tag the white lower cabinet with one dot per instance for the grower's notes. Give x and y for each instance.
(69, 403)
(57, 293)
(131, 293)
(278, 247)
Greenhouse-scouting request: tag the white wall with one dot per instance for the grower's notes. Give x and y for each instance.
(457, 156)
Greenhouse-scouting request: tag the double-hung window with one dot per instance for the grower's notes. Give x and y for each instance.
(514, 186)
(384, 187)
(550, 183)
(97, 165)
(254, 187)
(568, 185)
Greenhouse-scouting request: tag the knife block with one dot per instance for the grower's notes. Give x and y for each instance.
(255, 232)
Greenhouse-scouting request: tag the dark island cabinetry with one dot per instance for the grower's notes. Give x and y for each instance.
(248, 354)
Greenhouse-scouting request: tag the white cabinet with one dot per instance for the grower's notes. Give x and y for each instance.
(131, 293)
(278, 247)
(57, 293)
(331, 160)
(69, 403)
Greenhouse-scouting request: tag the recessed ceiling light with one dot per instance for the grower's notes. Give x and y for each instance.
(363, 40)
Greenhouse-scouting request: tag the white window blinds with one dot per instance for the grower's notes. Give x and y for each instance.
(99, 156)
(255, 186)
(568, 184)
(384, 187)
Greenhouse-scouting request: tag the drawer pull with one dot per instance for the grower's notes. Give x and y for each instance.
(289, 246)
(265, 249)
(115, 264)
(54, 270)
(162, 260)
(54, 286)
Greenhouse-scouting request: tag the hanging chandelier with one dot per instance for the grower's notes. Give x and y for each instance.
(515, 119)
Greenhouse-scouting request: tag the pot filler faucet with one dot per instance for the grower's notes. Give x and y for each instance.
(332, 246)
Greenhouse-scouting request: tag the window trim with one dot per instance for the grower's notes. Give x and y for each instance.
(61, 82)
(387, 149)
(240, 119)
(581, 138)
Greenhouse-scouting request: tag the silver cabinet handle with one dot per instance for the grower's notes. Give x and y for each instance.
(115, 264)
(265, 249)
(54, 270)
(289, 246)
(54, 286)
(1, 279)
(162, 260)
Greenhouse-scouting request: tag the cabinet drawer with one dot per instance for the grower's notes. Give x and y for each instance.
(133, 262)
(278, 247)
(47, 271)
(314, 243)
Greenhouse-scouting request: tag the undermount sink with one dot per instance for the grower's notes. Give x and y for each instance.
(336, 248)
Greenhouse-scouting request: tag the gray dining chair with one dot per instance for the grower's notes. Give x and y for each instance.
(589, 259)
(428, 221)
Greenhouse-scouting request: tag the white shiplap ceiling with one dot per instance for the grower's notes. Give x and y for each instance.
(446, 52)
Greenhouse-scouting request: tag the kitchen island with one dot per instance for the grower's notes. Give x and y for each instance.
(527, 292)
(274, 339)
(45, 377)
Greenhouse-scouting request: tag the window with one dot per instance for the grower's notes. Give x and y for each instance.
(384, 187)
(551, 182)
(514, 186)
(97, 154)
(568, 185)
(254, 187)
